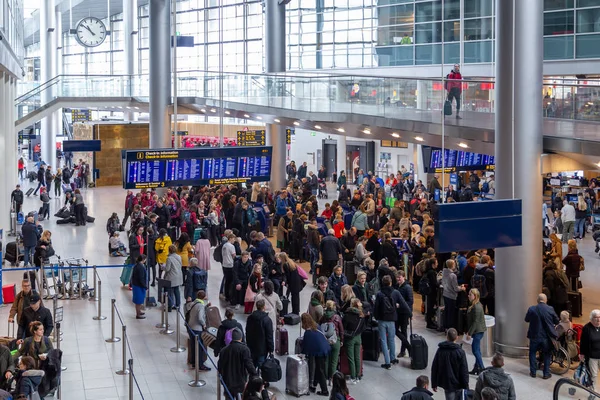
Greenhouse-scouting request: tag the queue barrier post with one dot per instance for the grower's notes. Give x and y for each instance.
(167, 329)
(131, 379)
(98, 290)
(178, 348)
(162, 324)
(124, 370)
(113, 338)
(197, 382)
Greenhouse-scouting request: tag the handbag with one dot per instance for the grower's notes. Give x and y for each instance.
(250, 295)
(301, 272)
(582, 375)
(581, 264)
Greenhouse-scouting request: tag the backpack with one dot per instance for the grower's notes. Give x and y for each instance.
(200, 279)
(218, 254)
(186, 216)
(465, 196)
(372, 287)
(485, 188)
(478, 282)
(328, 329)
(388, 305)
(188, 313)
(424, 286)
(229, 336)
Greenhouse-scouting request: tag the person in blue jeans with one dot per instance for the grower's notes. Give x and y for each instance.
(542, 320)
(388, 303)
(476, 325)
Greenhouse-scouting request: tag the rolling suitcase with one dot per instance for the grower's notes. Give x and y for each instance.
(296, 376)
(12, 253)
(286, 306)
(371, 344)
(209, 337)
(447, 107)
(298, 343)
(9, 292)
(440, 319)
(282, 347)
(345, 366)
(213, 317)
(576, 300)
(126, 275)
(350, 269)
(9, 340)
(461, 324)
(419, 350)
(29, 192)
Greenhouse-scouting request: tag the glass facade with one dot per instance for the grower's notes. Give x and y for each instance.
(328, 34)
(11, 25)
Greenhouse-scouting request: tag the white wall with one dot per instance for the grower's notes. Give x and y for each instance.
(305, 145)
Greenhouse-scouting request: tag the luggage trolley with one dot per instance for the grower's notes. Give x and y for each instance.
(76, 278)
(50, 279)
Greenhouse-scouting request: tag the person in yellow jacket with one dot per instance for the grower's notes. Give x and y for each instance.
(185, 251)
(161, 245)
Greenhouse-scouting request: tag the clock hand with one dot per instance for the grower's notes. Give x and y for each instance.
(87, 27)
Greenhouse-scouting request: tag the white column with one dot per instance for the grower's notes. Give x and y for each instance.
(11, 154)
(57, 39)
(5, 104)
(47, 55)
(341, 157)
(276, 138)
(129, 13)
(422, 94)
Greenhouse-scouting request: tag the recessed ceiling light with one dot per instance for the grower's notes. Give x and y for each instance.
(258, 117)
(296, 123)
(463, 145)
(246, 116)
(419, 138)
(367, 131)
(203, 109)
(227, 112)
(317, 126)
(137, 108)
(214, 110)
(276, 120)
(341, 130)
(395, 135)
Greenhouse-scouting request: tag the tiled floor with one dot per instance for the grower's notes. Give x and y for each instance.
(91, 362)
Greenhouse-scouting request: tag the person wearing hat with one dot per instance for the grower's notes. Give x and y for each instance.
(235, 373)
(16, 197)
(35, 312)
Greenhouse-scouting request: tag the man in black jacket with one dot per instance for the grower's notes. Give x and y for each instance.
(164, 216)
(406, 292)
(228, 323)
(388, 303)
(542, 321)
(348, 242)
(259, 332)
(419, 392)
(41, 176)
(31, 234)
(242, 268)
(331, 252)
(431, 297)
(449, 369)
(36, 312)
(235, 364)
(16, 197)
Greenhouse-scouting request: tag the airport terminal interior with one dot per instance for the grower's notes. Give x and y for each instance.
(470, 127)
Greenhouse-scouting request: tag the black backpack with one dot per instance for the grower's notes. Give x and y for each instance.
(424, 286)
(218, 254)
(388, 306)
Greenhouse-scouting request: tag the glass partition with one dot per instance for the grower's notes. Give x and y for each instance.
(568, 389)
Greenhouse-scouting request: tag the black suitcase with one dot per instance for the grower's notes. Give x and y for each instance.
(350, 268)
(576, 300)
(447, 107)
(291, 319)
(371, 344)
(285, 302)
(29, 192)
(419, 350)
(12, 253)
(461, 324)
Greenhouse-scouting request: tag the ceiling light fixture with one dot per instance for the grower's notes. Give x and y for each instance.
(463, 145)
(341, 130)
(296, 123)
(276, 120)
(419, 138)
(213, 110)
(227, 112)
(246, 116)
(258, 117)
(203, 109)
(317, 126)
(395, 135)
(367, 131)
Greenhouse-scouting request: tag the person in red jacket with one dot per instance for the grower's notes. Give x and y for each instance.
(454, 87)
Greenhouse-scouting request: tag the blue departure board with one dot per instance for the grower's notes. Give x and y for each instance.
(459, 159)
(196, 166)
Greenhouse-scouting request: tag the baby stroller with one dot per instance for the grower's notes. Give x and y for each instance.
(322, 189)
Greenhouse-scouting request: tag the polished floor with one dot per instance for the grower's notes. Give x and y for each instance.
(91, 362)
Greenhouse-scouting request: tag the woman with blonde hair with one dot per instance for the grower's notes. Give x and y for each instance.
(316, 305)
(332, 327)
(581, 213)
(573, 265)
(294, 281)
(557, 251)
(354, 324)
(476, 328)
(346, 297)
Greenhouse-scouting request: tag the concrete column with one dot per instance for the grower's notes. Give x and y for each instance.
(341, 157)
(160, 71)
(276, 138)
(518, 163)
(11, 153)
(47, 71)
(129, 14)
(5, 104)
(422, 95)
(57, 40)
(275, 36)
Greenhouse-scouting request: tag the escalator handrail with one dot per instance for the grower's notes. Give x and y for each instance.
(571, 382)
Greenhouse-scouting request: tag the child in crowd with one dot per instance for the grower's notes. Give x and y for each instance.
(117, 247)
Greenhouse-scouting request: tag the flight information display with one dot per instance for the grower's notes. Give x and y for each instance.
(459, 159)
(198, 166)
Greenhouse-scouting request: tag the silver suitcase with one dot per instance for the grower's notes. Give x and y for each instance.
(296, 375)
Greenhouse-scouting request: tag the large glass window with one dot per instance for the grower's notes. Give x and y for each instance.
(478, 8)
(428, 54)
(429, 11)
(558, 23)
(550, 5)
(478, 29)
(588, 3)
(478, 52)
(558, 48)
(428, 33)
(587, 46)
(588, 20)
(451, 9)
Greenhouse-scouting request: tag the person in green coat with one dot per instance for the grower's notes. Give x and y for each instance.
(341, 180)
(476, 324)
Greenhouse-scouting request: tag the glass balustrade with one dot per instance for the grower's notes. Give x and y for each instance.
(404, 98)
(567, 389)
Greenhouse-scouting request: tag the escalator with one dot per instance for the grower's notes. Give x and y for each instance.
(568, 389)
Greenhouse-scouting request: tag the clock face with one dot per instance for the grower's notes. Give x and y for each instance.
(91, 32)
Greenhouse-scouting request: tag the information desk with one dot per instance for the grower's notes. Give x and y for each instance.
(197, 166)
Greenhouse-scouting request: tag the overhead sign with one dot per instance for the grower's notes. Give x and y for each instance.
(78, 115)
(288, 135)
(82, 145)
(144, 169)
(251, 138)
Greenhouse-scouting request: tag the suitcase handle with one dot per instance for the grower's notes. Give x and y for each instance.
(8, 329)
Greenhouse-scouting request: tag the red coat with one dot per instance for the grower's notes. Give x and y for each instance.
(454, 81)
